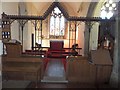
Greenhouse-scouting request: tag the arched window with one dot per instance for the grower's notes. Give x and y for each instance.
(57, 24)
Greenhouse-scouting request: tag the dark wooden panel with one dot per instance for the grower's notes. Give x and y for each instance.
(80, 71)
(13, 49)
(103, 74)
(101, 57)
(23, 71)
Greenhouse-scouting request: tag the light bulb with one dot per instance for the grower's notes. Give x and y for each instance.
(109, 14)
(110, 1)
(115, 9)
(113, 5)
(110, 8)
(107, 5)
(103, 14)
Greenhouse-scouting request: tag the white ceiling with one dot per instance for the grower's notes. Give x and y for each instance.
(73, 8)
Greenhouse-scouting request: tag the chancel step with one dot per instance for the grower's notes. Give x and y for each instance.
(54, 80)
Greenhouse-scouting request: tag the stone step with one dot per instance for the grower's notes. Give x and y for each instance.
(55, 80)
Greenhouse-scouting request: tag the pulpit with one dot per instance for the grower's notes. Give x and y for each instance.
(13, 49)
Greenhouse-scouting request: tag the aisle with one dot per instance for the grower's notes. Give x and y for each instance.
(55, 72)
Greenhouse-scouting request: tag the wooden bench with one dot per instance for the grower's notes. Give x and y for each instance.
(17, 66)
(22, 71)
(97, 70)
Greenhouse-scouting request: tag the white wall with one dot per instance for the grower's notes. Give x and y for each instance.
(94, 37)
(14, 30)
(12, 8)
(30, 28)
(81, 29)
(27, 9)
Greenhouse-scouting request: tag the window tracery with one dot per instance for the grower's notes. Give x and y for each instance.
(57, 24)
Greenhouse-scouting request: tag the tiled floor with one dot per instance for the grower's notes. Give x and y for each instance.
(55, 68)
(54, 71)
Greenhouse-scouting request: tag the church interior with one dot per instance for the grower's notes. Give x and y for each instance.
(59, 44)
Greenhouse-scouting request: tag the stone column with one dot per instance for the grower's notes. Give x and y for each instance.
(87, 33)
(118, 44)
(116, 63)
(86, 38)
(118, 29)
(1, 51)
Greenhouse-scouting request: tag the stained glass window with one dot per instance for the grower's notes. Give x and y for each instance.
(57, 23)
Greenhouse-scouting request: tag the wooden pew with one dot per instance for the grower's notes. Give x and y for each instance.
(16, 66)
(97, 70)
(23, 68)
(103, 64)
(80, 70)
